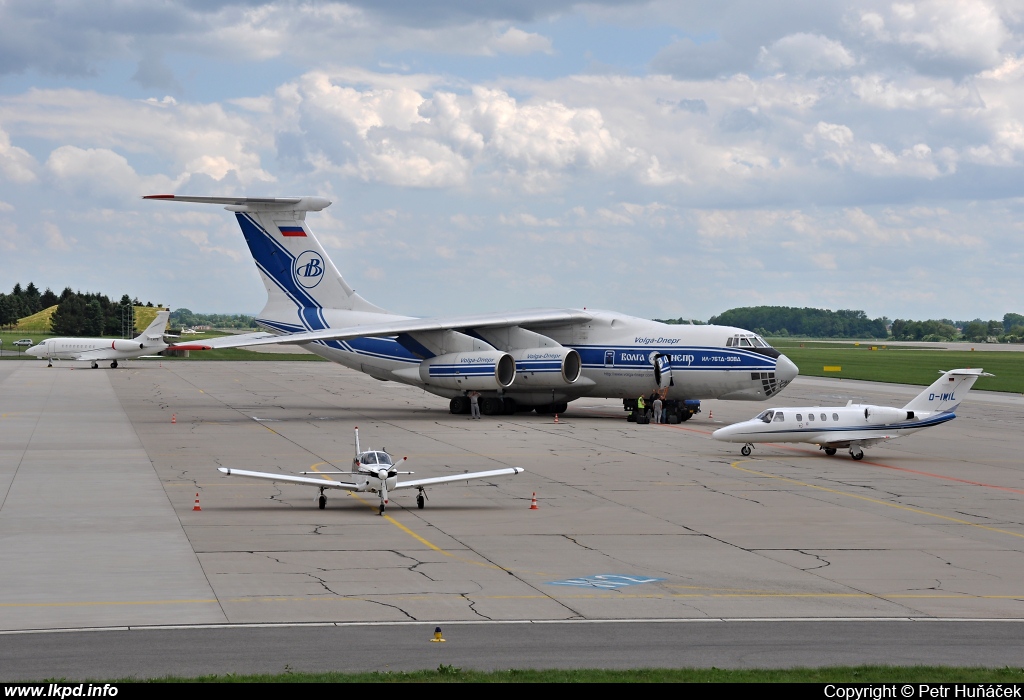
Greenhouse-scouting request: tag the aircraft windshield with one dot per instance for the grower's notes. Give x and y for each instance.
(369, 458)
(766, 416)
(384, 458)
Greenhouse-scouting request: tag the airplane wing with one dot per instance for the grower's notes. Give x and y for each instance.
(859, 438)
(416, 483)
(537, 318)
(224, 342)
(289, 479)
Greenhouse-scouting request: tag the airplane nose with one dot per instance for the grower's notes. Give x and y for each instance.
(785, 370)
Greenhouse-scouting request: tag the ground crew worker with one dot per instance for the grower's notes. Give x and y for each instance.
(640, 406)
(657, 410)
(474, 405)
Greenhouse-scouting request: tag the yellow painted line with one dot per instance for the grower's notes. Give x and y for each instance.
(919, 511)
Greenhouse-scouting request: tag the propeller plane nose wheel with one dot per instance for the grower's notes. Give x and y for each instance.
(746, 449)
(380, 511)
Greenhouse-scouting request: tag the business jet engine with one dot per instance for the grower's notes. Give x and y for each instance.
(126, 345)
(883, 415)
(546, 368)
(486, 370)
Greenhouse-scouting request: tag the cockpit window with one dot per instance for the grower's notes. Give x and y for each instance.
(383, 458)
(745, 342)
(766, 416)
(369, 458)
(759, 342)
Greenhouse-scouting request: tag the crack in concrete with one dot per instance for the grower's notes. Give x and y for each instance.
(820, 558)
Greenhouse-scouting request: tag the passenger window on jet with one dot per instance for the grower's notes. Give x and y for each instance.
(824, 417)
(810, 416)
(799, 416)
(779, 417)
(835, 416)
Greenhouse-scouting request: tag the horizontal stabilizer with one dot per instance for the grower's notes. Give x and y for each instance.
(252, 203)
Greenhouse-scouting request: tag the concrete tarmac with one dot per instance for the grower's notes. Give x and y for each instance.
(97, 527)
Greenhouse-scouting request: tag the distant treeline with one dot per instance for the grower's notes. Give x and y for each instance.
(813, 323)
(822, 323)
(185, 318)
(77, 313)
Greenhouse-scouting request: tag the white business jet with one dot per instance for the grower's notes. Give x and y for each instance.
(854, 426)
(96, 350)
(519, 361)
(373, 471)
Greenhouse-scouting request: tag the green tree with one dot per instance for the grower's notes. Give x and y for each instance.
(69, 317)
(93, 321)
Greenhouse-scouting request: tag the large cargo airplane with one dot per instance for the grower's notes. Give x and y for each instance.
(96, 350)
(854, 426)
(537, 359)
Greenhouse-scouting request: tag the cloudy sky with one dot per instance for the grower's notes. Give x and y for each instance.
(662, 159)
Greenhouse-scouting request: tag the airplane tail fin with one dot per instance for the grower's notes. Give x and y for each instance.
(301, 280)
(154, 333)
(947, 391)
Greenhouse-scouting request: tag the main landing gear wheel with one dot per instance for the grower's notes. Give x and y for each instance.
(321, 502)
(95, 366)
(857, 455)
(746, 449)
(113, 365)
(420, 500)
(459, 405)
(830, 451)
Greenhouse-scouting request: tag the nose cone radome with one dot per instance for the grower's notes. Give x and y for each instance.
(725, 434)
(785, 370)
(34, 350)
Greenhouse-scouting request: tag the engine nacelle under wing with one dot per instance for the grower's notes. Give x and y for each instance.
(546, 368)
(884, 415)
(486, 370)
(126, 345)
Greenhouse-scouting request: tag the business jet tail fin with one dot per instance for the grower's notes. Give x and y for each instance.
(947, 391)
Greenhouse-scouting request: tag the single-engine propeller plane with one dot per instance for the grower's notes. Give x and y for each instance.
(373, 471)
(854, 426)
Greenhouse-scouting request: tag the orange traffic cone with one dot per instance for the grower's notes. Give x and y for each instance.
(196, 506)
(174, 417)
(533, 503)
(711, 415)
(556, 417)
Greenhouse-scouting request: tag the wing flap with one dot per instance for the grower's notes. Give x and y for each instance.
(288, 479)
(416, 483)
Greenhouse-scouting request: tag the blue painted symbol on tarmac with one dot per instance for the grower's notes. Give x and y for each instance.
(605, 581)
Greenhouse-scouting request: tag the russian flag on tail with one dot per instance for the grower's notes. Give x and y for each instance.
(290, 231)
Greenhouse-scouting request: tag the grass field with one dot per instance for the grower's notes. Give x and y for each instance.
(449, 674)
(903, 365)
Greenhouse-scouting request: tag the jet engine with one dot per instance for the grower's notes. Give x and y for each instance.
(126, 345)
(482, 370)
(546, 368)
(883, 415)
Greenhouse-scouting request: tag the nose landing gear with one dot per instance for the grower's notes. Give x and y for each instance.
(746, 450)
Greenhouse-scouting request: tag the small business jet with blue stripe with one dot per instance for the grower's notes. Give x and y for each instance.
(373, 471)
(854, 426)
(538, 359)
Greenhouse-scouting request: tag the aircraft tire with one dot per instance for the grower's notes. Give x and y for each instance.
(685, 416)
(542, 409)
(560, 407)
(857, 456)
(419, 501)
(510, 406)
(322, 502)
(492, 406)
(830, 451)
(745, 450)
(459, 405)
